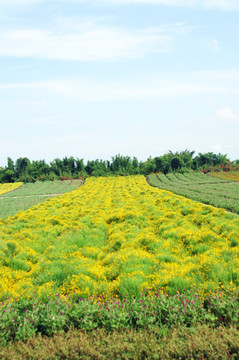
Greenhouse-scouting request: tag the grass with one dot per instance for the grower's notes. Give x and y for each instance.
(219, 191)
(31, 194)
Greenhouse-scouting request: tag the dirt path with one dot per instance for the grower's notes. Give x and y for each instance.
(27, 196)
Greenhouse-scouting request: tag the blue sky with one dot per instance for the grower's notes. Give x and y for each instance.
(96, 78)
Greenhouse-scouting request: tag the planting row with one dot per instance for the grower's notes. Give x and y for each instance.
(47, 187)
(23, 318)
(31, 194)
(200, 187)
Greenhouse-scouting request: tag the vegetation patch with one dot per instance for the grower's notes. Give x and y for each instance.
(226, 175)
(108, 237)
(219, 191)
(200, 342)
(22, 318)
(30, 194)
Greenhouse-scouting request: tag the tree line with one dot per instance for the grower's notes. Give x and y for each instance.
(69, 167)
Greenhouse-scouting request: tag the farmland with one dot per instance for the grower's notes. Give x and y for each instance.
(115, 254)
(219, 191)
(117, 235)
(30, 194)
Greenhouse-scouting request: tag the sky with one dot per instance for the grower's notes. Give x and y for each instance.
(96, 78)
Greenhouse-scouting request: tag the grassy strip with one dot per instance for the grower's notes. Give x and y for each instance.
(46, 187)
(197, 178)
(202, 188)
(11, 206)
(31, 194)
(199, 342)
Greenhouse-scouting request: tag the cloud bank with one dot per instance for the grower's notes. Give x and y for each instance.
(95, 44)
(156, 87)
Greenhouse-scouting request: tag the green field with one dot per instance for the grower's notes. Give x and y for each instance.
(31, 194)
(207, 189)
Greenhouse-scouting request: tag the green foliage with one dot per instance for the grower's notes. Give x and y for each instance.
(22, 318)
(11, 249)
(8, 176)
(131, 286)
(69, 167)
(176, 163)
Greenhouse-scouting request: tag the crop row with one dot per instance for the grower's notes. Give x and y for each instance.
(216, 192)
(31, 194)
(189, 179)
(46, 187)
(23, 318)
(117, 236)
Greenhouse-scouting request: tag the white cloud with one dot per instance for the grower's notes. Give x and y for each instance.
(224, 115)
(156, 87)
(98, 90)
(213, 45)
(96, 44)
(179, 28)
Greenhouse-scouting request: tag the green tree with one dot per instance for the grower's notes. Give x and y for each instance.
(10, 164)
(176, 163)
(9, 176)
(21, 166)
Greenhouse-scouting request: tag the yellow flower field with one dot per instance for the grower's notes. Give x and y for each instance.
(5, 188)
(117, 235)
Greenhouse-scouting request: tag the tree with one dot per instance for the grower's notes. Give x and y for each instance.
(10, 164)
(80, 167)
(21, 166)
(9, 176)
(211, 159)
(149, 166)
(176, 163)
